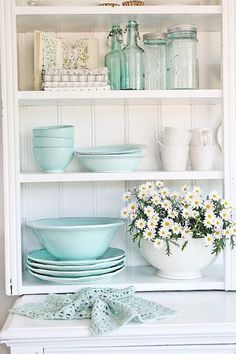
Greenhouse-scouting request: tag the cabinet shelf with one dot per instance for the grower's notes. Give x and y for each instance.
(37, 177)
(85, 18)
(144, 278)
(37, 98)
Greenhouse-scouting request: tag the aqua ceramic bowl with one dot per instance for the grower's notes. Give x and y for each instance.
(55, 131)
(53, 159)
(76, 238)
(110, 163)
(40, 141)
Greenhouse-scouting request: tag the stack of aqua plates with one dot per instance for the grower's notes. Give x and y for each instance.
(43, 265)
(111, 158)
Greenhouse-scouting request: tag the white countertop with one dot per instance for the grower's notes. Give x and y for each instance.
(203, 317)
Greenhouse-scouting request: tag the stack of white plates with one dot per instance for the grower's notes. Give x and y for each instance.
(43, 265)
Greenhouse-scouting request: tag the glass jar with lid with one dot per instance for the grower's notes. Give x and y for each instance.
(155, 60)
(182, 62)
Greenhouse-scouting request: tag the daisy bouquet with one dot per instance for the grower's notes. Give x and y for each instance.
(165, 218)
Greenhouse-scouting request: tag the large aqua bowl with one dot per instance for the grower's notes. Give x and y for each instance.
(76, 238)
(55, 131)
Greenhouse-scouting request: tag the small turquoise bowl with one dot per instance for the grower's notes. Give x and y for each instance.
(53, 159)
(55, 131)
(76, 238)
(110, 163)
(40, 141)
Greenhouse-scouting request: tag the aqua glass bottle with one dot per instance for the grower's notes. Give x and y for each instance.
(114, 60)
(134, 59)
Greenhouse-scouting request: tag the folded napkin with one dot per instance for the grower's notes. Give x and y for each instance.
(107, 308)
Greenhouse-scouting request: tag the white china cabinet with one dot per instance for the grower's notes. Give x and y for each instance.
(116, 117)
(105, 118)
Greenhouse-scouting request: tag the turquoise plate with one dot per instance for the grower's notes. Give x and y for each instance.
(74, 274)
(101, 265)
(112, 149)
(43, 256)
(82, 280)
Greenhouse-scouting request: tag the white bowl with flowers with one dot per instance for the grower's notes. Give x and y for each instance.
(179, 233)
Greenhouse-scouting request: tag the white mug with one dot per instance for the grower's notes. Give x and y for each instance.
(173, 137)
(202, 157)
(202, 137)
(174, 158)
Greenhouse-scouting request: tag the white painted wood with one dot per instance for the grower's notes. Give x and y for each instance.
(85, 18)
(144, 278)
(30, 98)
(27, 177)
(229, 123)
(205, 321)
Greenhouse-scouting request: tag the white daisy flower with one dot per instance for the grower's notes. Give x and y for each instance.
(175, 195)
(208, 205)
(210, 217)
(142, 188)
(149, 234)
(149, 210)
(167, 223)
(209, 239)
(225, 214)
(226, 204)
(133, 216)
(153, 193)
(218, 223)
(234, 229)
(195, 214)
(158, 243)
(164, 192)
(187, 212)
(227, 232)
(176, 228)
(207, 223)
(196, 203)
(186, 234)
(214, 196)
(151, 224)
(140, 224)
(218, 234)
(126, 196)
(143, 195)
(150, 186)
(154, 217)
(132, 207)
(159, 184)
(172, 214)
(185, 188)
(190, 197)
(166, 204)
(155, 200)
(124, 213)
(197, 190)
(164, 233)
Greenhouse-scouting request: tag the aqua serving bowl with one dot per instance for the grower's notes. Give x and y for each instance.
(76, 238)
(53, 159)
(40, 141)
(110, 163)
(55, 131)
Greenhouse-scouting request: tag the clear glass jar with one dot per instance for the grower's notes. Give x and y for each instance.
(134, 58)
(182, 62)
(155, 60)
(114, 60)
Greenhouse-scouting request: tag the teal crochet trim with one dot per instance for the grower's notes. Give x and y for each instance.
(107, 308)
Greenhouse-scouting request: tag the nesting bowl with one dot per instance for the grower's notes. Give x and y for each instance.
(41, 141)
(76, 238)
(55, 131)
(53, 159)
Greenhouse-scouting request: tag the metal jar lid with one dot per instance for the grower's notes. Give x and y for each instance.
(182, 28)
(153, 36)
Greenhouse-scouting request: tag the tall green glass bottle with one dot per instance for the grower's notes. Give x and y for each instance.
(114, 60)
(134, 59)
